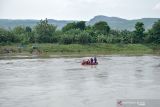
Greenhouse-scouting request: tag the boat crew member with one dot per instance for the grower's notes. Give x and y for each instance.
(91, 60)
(95, 60)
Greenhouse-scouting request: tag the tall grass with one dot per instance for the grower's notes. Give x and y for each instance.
(97, 48)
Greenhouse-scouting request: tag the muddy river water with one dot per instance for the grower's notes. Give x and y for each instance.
(64, 82)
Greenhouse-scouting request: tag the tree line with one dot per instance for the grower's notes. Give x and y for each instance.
(80, 33)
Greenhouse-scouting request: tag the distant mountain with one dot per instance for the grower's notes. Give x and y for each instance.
(9, 23)
(121, 24)
(114, 22)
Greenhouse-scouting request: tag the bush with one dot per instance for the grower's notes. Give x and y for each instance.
(66, 39)
(84, 38)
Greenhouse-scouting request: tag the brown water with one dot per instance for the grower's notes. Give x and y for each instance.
(64, 82)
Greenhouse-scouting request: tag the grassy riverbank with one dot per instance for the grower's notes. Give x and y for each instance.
(77, 49)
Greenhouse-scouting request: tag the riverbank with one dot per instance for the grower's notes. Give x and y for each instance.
(47, 50)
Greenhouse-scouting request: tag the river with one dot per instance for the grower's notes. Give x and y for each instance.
(64, 82)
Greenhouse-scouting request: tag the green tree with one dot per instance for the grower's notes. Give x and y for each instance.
(101, 38)
(29, 36)
(69, 26)
(92, 33)
(74, 25)
(3, 35)
(84, 38)
(101, 27)
(139, 32)
(57, 36)
(28, 29)
(66, 39)
(45, 31)
(126, 36)
(19, 30)
(80, 25)
(154, 33)
(7, 36)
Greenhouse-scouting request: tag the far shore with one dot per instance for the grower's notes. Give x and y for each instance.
(67, 56)
(75, 50)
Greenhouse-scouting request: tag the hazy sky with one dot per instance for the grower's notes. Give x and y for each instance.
(78, 9)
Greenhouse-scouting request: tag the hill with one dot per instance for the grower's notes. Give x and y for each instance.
(121, 24)
(114, 22)
(10, 23)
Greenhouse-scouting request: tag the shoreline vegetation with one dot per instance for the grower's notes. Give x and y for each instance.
(78, 39)
(76, 50)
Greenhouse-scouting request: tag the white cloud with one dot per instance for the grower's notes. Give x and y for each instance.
(78, 9)
(157, 6)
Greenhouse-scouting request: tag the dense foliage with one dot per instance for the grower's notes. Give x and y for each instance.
(79, 33)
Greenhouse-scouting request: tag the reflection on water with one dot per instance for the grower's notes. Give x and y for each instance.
(64, 82)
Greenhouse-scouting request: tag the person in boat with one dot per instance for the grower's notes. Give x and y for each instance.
(95, 60)
(91, 60)
(87, 62)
